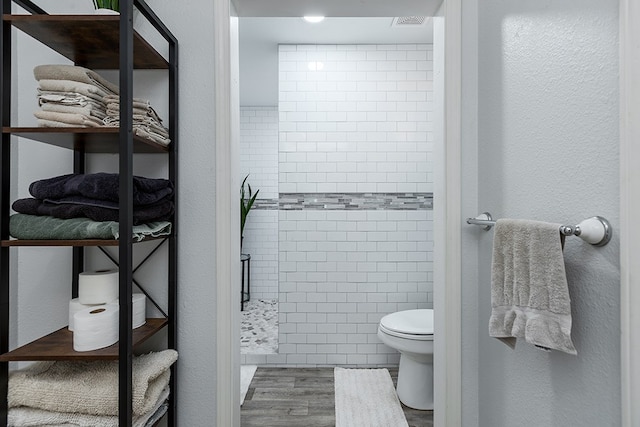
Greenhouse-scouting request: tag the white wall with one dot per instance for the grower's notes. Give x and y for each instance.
(197, 343)
(32, 319)
(547, 150)
(469, 204)
(197, 288)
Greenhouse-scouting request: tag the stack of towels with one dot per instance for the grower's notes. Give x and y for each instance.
(146, 123)
(72, 96)
(83, 206)
(85, 394)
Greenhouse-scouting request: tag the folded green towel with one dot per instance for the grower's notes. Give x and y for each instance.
(36, 227)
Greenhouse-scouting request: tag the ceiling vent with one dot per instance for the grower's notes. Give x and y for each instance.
(408, 21)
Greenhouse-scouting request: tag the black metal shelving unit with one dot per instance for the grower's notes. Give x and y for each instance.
(62, 34)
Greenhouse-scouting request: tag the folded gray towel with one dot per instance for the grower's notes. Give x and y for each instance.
(529, 290)
(75, 73)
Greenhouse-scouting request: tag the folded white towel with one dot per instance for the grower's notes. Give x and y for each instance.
(75, 73)
(71, 86)
(69, 118)
(111, 120)
(86, 110)
(114, 111)
(90, 387)
(144, 127)
(140, 107)
(25, 416)
(148, 134)
(529, 290)
(137, 102)
(69, 98)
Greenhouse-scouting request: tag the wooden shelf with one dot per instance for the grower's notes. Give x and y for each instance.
(91, 140)
(59, 346)
(83, 242)
(91, 41)
(95, 42)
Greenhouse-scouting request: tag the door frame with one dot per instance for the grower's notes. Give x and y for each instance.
(448, 409)
(447, 299)
(227, 222)
(629, 205)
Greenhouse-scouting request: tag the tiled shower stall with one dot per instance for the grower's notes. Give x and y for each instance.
(343, 231)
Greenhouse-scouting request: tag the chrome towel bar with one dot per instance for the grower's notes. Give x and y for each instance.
(595, 230)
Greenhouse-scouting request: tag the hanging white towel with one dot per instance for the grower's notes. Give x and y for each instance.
(529, 290)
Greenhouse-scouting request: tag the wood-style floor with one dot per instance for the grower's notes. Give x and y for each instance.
(302, 397)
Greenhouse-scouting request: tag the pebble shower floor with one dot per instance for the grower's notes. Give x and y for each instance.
(259, 327)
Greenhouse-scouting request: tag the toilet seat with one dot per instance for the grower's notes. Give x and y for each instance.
(409, 324)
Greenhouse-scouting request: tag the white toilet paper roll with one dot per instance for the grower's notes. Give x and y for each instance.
(98, 287)
(95, 327)
(138, 310)
(74, 307)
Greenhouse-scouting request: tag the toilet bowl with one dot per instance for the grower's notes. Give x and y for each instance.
(411, 333)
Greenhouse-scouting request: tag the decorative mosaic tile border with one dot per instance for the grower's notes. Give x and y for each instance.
(266, 204)
(348, 201)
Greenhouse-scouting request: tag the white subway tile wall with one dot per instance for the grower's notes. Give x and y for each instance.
(340, 272)
(259, 149)
(259, 159)
(363, 123)
(261, 241)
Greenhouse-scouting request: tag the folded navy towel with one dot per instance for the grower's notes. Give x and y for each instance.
(161, 211)
(101, 186)
(88, 201)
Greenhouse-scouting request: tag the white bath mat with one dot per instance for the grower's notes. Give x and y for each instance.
(246, 375)
(366, 397)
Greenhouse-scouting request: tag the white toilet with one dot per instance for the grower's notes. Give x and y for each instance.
(411, 333)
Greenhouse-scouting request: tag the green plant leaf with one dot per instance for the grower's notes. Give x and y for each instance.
(246, 202)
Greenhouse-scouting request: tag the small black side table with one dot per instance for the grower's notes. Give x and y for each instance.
(245, 295)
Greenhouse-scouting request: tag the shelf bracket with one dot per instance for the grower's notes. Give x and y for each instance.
(135, 282)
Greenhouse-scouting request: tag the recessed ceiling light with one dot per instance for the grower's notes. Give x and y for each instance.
(313, 19)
